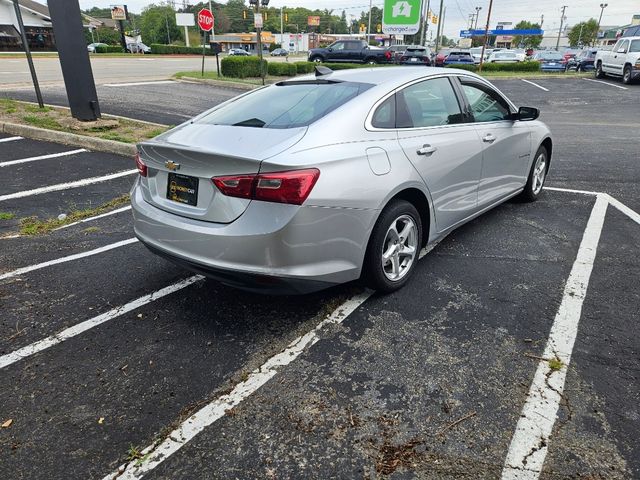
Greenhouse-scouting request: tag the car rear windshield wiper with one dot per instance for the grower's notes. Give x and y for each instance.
(251, 122)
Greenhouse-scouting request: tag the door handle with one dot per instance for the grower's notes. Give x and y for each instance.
(426, 150)
(489, 138)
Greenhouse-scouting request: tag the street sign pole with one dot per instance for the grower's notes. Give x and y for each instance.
(205, 22)
(486, 36)
(27, 51)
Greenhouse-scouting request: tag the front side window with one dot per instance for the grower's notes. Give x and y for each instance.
(635, 46)
(486, 105)
(428, 104)
(338, 46)
(285, 105)
(623, 47)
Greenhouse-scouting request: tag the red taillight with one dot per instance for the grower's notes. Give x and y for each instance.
(142, 168)
(291, 187)
(387, 54)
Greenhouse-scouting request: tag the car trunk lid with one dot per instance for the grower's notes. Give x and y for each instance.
(181, 163)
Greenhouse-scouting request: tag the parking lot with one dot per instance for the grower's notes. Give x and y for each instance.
(115, 363)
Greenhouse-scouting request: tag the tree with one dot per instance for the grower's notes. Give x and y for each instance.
(158, 25)
(584, 33)
(103, 35)
(527, 41)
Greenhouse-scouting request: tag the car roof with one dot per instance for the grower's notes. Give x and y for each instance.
(392, 77)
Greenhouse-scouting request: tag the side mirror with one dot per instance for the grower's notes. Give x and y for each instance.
(527, 114)
(330, 49)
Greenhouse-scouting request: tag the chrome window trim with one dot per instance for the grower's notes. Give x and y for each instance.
(368, 121)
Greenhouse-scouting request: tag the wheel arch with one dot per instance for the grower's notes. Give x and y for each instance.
(548, 144)
(420, 201)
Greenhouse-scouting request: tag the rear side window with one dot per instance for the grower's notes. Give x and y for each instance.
(385, 114)
(288, 105)
(427, 104)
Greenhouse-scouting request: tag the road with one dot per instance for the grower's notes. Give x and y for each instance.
(428, 382)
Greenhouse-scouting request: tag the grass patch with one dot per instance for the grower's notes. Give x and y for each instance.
(91, 230)
(35, 226)
(7, 215)
(59, 119)
(555, 364)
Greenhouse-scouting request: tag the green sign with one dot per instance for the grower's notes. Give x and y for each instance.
(401, 17)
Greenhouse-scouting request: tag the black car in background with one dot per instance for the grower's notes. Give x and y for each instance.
(583, 61)
(415, 55)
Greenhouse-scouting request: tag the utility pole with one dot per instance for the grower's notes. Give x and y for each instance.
(486, 35)
(282, 27)
(369, 26)
(472, 17)
(439, 25)
(602, 7)
(425, 25)
(541, 21)
(564, 7)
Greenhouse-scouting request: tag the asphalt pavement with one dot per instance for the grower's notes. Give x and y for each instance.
(428, 382)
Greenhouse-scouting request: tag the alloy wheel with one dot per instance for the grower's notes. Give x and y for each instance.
(399, 248)
(539, 173)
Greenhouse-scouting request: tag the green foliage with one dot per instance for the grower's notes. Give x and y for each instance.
(159, 49)
(102, 35)
(501, 67)
(282, 69)
(108, 49)
(273, 46)
(585, 37)
(242, 67)
(304, 67)
(527, 41)
(158, 25)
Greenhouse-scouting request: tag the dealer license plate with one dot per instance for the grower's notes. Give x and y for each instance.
(182, 189)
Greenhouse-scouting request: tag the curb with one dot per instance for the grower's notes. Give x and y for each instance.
(219, 83)
(90, 143)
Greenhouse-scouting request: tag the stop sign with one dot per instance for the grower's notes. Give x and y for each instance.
(205, 19)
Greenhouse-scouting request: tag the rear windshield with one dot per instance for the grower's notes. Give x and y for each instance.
(288, 105)
(551, 56)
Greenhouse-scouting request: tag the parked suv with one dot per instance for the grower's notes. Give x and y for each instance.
(350, 51)
(622, 61)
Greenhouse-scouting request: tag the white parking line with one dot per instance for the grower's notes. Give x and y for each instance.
(535, 85)
(530, 442)
(42, 157)
(10, 139)
(24, 352)
(606, 83)
(66, 186)
(90, 219)
(156, 453)
(75, 256)
(134, 84)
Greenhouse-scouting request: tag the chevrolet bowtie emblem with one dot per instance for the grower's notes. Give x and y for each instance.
(173, 166)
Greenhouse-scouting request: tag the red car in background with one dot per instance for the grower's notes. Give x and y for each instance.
(441, 56)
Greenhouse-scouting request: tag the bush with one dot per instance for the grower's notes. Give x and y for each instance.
(282, 69)
(501, 67)
(242, 67)
(108, 49)
(304, 67)
(159, 49)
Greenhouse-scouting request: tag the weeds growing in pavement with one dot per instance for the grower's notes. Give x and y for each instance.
(7, 215)
(35, 226)
(555, 364)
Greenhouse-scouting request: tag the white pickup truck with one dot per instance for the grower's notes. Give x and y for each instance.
(622, 61)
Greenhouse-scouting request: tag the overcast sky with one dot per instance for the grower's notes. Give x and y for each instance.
(618, 12)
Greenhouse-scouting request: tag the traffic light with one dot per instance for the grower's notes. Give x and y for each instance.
(266, 17)
(434, 19)
(286, 17)
(378, 28)
(244, 14)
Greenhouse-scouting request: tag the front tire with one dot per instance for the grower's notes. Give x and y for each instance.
(599, 72)
(626, 76)
(537, 176)
(317, 59)
(371, 61)
(393, 248)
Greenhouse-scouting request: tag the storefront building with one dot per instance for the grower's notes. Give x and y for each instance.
(37, 24)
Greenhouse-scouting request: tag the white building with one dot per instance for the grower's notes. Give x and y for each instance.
(37, 25)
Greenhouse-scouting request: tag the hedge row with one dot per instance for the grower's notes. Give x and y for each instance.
(160, 49)
(282, 69)
(108, 49)
(501, 67)
(242, 67)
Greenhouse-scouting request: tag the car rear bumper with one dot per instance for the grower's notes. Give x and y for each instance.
(271, 247)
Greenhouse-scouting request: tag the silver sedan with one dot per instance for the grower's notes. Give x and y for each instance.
(332, 177)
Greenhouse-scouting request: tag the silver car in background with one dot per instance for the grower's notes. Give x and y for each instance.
(327, 178)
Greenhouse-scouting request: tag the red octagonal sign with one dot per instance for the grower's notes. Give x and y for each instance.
(205, 19)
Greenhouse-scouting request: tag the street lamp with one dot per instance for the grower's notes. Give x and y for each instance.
(602, 7)
(477, 15)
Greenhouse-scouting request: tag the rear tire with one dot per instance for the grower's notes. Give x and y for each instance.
(371, 61)
(394, 247)
(599, 72)
(537, 176)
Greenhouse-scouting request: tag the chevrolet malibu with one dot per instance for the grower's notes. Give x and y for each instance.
(332, 177)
